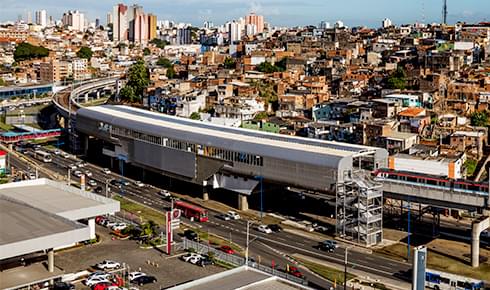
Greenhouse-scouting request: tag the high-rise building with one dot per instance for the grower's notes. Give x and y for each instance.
(324, 25)
(120, 22)
(109, 18)
(234, 31)
(138, 26)
(74, 20)
(152, 26)
(41, 18)
(250, 29)
(386, 23)
(183, 36)
(29, 17)
(257, 20)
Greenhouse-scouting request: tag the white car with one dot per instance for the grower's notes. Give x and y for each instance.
(189, 256)
(139, 183)
(134, 275)
(194, 260)
(108, 264)
(110, 224)
(264, 229)
(72, 167)
(99, 274)
(88, 173)
(32, 175)
(233, 215)
(119, 226)
(164, 193)
(57, 152)
(77, 173)
(92, 182)
(106, 170)
(95, 280)
(65, 155)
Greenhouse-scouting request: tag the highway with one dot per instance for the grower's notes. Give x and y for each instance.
(264, 248)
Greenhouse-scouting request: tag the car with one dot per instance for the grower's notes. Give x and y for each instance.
(275, 228)
(116, 182)
(100, 219)
(92, 281)
(92, 182)
(72, 167)
(227, 249)
(77, 173)
(65, 155)
(224, 217)
(264, 229)
(142, 280)
(56, 152)
(165, 194)
(194, 260)
(332, 243)
(110, 224)
(205, 261)
(119, 226)
(62, 286)
(233, 215)
(88, 173)
(98, 189)
(32, 175)
(139, 183)
(106, 171)
(327, 247)
(189, 256)
(81, 164)
(294, 271)
(108, 264)
(99, 274)
(134, 275)
(125, 182)
(191, 235)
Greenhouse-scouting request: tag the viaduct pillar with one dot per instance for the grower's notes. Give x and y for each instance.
(477, 227)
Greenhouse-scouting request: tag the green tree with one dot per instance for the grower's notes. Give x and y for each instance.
(165, 62)
(267, 67)
(229, 63)
(397, 80)
(159, 43)
(146, 51)
(127, 94)
(479, 119)
(171, 72)
(138, 77)
(282, 64)
(85, 52)
(25, 51)
(261, 116)
(195, 116)
(2, 82)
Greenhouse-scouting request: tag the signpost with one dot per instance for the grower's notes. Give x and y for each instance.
(173, 223)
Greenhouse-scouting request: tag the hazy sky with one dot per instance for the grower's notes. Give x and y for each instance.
(277, 12)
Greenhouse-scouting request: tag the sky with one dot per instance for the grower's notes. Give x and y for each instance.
(276, 12)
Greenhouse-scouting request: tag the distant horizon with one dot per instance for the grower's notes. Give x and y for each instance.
(276, 12)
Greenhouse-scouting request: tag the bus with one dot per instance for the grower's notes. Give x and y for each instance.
(43, 156)
(439, 280)
(191, 211)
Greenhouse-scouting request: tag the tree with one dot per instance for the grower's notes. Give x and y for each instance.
(479, 119)
(127, 93)
(229, 63)
(267, 67)
(25, 51)
(282, 64)
(146, 51)
(397, 80)
(2, 82)
(85, 52)
(138, 77)
(159, 43)
(165, 62)
(171, 72)
(195, 116)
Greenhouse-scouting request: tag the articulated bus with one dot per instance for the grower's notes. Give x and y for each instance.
(441, 281)
(191, 211)
(43, 156)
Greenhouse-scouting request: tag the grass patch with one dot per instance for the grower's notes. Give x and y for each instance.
(33, 110)
(96, 102)
(213, 239)
(222, 264)
(328, 273)
(6, 127)
(438, 261)
(144, 212)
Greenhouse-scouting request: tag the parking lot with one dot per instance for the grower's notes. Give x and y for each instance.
(170, 270)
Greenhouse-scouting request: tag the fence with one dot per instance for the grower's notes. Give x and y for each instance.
(238, 261)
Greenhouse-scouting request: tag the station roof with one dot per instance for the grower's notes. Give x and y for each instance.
(318, 152)
(60, 199)
(241, 278)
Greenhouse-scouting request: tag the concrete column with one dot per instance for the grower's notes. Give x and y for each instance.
(98, 94)
(86, 97)
(51, 260)
(91, 226)
(477, 227)
(242, 202)
(205, 194)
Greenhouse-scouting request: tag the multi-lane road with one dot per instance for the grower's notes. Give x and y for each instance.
(268, 248)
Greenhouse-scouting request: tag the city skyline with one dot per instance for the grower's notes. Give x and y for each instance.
(276, 12)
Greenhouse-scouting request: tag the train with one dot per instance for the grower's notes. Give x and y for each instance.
(461, 185)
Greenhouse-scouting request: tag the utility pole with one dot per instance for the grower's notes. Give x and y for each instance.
(246, 248)
(106, 188)
(345, 269)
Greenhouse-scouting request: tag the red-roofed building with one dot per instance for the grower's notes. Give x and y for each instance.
(413, 120)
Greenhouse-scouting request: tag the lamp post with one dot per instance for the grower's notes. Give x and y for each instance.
(260, 178)
(248, 241)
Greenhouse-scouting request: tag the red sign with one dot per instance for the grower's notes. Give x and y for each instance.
(169, 232)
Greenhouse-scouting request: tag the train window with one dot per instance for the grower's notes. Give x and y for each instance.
(411, 179)
(431, 181)
(474, 187)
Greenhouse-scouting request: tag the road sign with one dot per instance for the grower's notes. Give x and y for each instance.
(176, 219)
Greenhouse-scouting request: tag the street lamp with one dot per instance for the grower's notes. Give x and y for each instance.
(248, 241)
(261, 178)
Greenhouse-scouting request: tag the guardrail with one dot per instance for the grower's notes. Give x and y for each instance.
(238, 261)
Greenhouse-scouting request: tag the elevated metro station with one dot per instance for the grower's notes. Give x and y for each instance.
(238, 160)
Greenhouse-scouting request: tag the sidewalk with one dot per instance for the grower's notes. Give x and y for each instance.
(363, 276)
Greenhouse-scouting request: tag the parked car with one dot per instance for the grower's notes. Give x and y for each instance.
(119, 226)
(224, 217)
(142, 280)
(77, 173)
(106, 170)
(62, 286)
(88, 173)
(65, 155)
(99, 274)
(264, 229)
(189, 256)
(56, 152)
(108, 264)
(205, 261)
(32, 175)
(81, 164)
(194, 260)
(233, 215)
(91, 281)
(92, 182)
(72, 167)
(100, 219)
(191, 235)
(134, 275)
(227, 249)
(275, 228)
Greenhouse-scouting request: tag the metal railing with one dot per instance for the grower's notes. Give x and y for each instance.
(238, 261)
